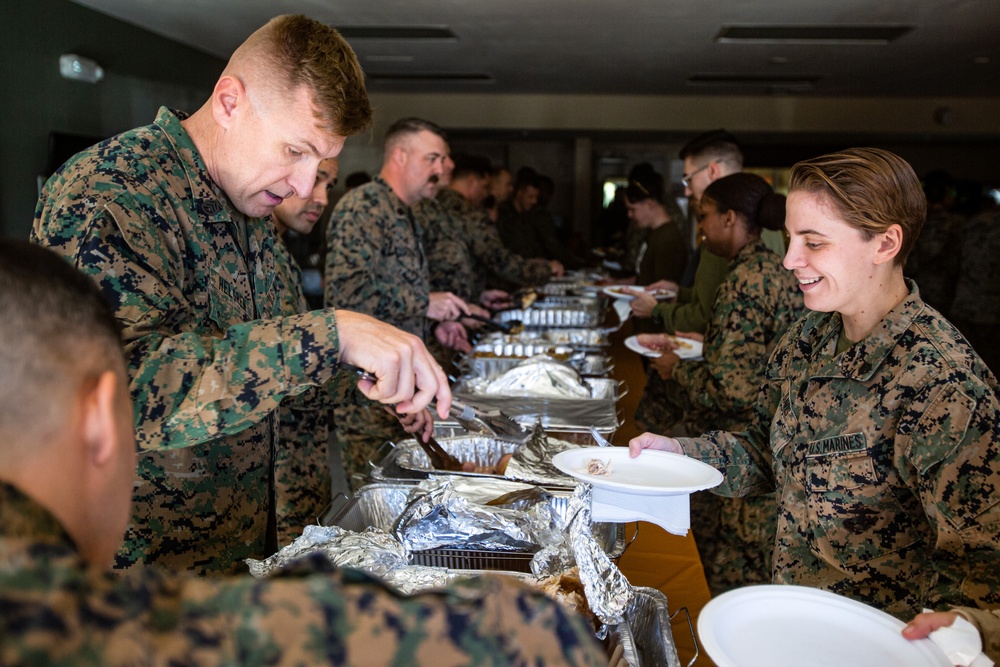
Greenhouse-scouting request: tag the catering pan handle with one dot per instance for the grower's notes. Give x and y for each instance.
(381, 453)
(622, 388)
(339, 501)
(694, 639)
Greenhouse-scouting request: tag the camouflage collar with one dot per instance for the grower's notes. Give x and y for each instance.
(398, 205)
(21, 517)
(861, 360)
(209, 200)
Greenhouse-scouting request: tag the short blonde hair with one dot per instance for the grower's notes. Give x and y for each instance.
(303, 51)
(870, 188)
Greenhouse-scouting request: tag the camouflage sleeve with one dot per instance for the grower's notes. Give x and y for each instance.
(695, 314)
(348, 618)
(988, 624)
(728, 380)
(187, 387)
(948, 436)
(487, 249)
(447, 258)
(745, 458)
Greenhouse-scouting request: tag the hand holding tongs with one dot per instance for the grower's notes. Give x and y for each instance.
(493, 423)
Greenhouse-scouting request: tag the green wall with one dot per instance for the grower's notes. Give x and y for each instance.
(142, 72)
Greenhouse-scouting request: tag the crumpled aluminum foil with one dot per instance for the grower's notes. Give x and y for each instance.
(533, 460)
(609, 593)
(372, 550)
(538, 376)
(452, 513)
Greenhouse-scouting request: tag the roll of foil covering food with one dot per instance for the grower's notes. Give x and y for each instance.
(609, 593)
(372, 550)
(539, 376)
(453, 514)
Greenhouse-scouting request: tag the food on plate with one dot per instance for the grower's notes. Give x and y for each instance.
(599, 467)
(683, 344)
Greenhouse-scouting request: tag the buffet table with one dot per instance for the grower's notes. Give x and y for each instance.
(656, 558)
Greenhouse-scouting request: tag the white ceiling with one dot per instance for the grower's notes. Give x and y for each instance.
(644, 47)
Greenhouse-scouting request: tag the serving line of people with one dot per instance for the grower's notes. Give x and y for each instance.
(877, 426)
(169, 229)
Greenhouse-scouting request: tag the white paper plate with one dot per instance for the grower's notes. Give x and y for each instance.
(632, 343)
(689, 349)
(618, 291)
(792, 626)
(652, 473)
(664, 294)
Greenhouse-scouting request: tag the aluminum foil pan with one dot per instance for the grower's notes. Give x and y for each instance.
(577, 338)
(378, 505)
(577, 434)
(530, 462)
(552, 317)
(438, 515)
(600, 410)
(593, 365)
(538, 376)
(520, 349)
(597, 303)
(645, 636)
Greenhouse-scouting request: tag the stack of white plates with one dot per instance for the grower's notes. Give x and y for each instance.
(795, 626)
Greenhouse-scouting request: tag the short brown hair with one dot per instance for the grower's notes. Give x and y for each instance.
(307, 52)
(56, 330)
(870, 188)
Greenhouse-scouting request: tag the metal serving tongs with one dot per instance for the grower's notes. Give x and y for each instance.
(492, 422)
(493, 325)
(438, 455)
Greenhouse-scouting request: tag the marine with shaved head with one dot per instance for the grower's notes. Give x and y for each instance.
(172, 221)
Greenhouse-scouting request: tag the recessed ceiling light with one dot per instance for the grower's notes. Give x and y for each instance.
(811, 34)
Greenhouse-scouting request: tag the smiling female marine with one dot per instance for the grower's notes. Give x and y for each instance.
(878, 426)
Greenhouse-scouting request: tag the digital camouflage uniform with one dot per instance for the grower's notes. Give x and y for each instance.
(375, 265)
(885, 459)
(756, 304)
(302, 482)
(54, 610)
(194, 286)
(976, 308)
(661, 406)
(466, 255)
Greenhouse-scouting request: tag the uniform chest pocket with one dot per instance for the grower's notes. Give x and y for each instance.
(226, 305)
(855, 516)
